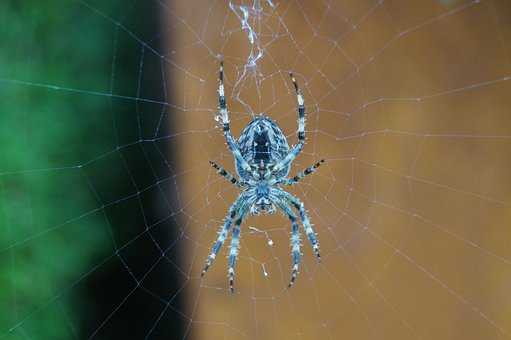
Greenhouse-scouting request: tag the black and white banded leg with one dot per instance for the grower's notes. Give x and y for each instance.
(224, 117)
(301, 110)
(236, 209)
(222, 235)
(233, 252)
(224, 173)
(295, 243)
(309, 230)
(295, 150)
(307, 171)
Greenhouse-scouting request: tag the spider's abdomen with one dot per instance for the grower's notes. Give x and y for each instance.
(261, 147)
(262, 140)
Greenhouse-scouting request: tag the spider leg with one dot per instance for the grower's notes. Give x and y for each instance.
(301, 110)
(309, 170)
(309, 230)
(222, 172)
(223, 232)
(301, 130)
(222, 235)
(224, 116)
(295, 242)
(234, 249)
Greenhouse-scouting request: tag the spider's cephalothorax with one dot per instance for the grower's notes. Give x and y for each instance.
(263, 160)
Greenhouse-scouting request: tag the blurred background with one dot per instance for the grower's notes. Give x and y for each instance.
(85, 202)
(108, 205)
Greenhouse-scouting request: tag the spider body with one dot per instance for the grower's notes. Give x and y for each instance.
(262, 142)
(263, 160)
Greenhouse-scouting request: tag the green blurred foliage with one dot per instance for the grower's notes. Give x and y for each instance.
(51, 230)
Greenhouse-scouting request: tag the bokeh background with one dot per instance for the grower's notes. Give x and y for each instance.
(108, 206)
(84, 181)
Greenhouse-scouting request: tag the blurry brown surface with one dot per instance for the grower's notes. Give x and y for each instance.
(408, 101)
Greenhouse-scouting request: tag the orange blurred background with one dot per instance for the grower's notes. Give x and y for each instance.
(408, 102)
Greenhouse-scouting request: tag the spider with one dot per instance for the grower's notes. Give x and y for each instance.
(263, 160)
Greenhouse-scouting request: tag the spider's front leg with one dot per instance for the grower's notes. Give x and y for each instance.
(301, 110)
(224, 116)
(301, 130)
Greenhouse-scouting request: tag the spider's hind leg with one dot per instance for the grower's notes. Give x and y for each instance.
(295, 248)
(295, 243)
(309, 230)
(236, 208)
(222, 235)
(233, 253)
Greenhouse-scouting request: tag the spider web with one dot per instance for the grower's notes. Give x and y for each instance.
(406, 101)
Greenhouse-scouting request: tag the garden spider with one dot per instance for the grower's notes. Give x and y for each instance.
(263, 160)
